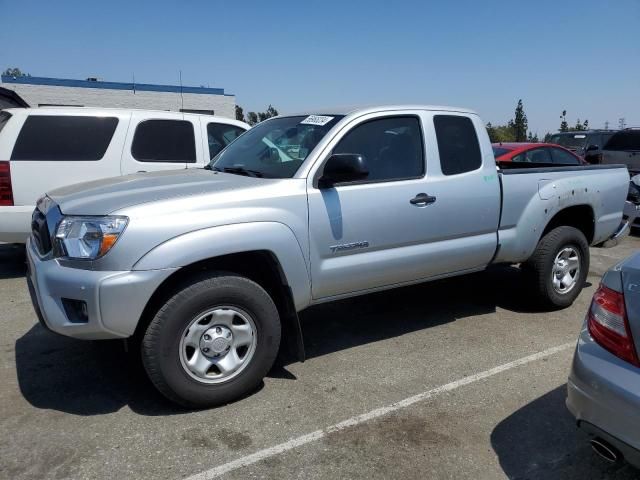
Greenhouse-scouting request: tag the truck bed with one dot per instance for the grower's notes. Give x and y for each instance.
(532, 195)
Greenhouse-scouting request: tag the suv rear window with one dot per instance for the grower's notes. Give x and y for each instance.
(64, 137)
(220, 135)
(457, 143)
(626, 140)
(164, 141)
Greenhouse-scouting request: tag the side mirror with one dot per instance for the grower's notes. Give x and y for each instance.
(343, 167)
(591, 148)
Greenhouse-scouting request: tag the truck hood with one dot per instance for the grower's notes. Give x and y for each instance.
(101, 197)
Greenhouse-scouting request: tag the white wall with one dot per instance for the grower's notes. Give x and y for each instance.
(223, 105)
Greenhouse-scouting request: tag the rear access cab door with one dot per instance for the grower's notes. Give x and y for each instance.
(53, 149)
(368, 235)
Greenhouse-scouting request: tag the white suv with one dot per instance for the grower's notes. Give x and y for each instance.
(46, 148)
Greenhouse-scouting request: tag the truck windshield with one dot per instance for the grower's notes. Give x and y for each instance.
(275, 148)
(577, 140)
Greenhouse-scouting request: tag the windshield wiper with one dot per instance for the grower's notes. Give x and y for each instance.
(243, 171)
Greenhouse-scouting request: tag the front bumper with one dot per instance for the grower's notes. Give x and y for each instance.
(114, 300)
(603, 394)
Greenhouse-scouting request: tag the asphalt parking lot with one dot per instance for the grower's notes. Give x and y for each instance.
(479, 375)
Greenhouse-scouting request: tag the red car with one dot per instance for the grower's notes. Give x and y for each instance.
(536, 153)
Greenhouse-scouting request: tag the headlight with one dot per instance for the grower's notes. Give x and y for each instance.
(88, 237)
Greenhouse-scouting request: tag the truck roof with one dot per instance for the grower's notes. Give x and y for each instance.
(347, 110)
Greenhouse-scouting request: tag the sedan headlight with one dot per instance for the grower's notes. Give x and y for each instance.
(88, 237)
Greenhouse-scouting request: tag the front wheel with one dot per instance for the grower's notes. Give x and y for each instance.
(212, 342)
(559, 266)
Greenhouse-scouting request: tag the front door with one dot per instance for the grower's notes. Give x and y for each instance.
(409, 220)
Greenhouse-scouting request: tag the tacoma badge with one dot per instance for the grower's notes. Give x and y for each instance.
(348, 246)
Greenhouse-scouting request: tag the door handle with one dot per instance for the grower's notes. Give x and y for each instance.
(422, 199)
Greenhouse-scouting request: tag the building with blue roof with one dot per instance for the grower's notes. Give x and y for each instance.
(94, 92)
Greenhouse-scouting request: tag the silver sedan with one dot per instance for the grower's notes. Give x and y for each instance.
(604, 384)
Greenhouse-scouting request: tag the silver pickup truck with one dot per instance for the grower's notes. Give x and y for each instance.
(207, 269)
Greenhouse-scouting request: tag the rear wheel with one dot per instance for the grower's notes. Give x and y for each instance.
(559, 266)
(212, 342)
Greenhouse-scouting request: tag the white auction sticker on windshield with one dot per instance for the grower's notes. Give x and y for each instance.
(316, 120)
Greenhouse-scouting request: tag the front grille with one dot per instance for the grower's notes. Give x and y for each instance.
(40, 232)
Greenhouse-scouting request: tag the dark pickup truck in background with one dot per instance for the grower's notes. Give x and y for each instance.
(588, 144)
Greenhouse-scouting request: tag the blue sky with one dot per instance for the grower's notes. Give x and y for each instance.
(582, 56)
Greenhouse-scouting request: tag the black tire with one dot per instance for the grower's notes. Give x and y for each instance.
(160, 347)
(540, 266)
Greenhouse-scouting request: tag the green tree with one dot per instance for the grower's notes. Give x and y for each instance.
(491, 131)
(15, 72)
(564, 126)
(547, 137)
(239, 113)
(520, 123)
(500, 133)
(532, 138)
(252, 118)
(272, 112)
(580, 126)
(257, 117)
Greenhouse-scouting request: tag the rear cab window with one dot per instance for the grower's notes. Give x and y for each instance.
(64, 138)
(457, 143)
(164, 141)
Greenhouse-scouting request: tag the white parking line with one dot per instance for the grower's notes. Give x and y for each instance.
(373, 414)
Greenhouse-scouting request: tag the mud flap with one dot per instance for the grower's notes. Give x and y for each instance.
(292, 329)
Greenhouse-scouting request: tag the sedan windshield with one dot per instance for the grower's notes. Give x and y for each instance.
(275, 148)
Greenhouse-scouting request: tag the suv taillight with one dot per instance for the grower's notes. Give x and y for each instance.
(6, 191)
(608, 324)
